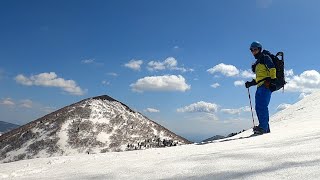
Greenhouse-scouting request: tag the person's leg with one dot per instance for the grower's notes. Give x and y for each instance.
(262, 100)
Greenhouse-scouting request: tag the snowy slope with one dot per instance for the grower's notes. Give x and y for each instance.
(94, 125)
(290, 151)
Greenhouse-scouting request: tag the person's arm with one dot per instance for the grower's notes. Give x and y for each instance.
(250, 83)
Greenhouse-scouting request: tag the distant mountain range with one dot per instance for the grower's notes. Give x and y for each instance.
(95, 125)
(213, 138)
(5, 127)
(217, 137)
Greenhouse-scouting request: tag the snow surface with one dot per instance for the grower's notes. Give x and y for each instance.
(290, 151)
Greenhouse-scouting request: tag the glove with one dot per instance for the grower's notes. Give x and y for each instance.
(250, 83)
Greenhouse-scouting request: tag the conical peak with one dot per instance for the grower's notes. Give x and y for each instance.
(104, 97)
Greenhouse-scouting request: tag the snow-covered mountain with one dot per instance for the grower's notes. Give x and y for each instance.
(94, 125)
(5, 127)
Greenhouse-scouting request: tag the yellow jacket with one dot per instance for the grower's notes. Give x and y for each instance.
(264, 68)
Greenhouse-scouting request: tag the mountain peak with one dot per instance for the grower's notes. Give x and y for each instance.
(104, 97)
(108, 98)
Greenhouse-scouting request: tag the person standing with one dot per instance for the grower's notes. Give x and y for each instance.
(265, 80)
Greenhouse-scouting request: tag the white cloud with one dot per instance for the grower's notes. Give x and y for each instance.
(154, 66)
(246, 109)
(170, 63)
(182, 69)
(50, 80)
(306, 82)
(288, 73)
(91, 61)
(104, 82)
(200, 107)
(215, 85)
(152, 110)
(112, 74)
(7, 102)
(231, 71)
(27, 103)
(23, 80)
(238, 83)
(283, 106)
(88, 61)
(134, 64)
(161, 83)
(247, 74)
(236, 111)
(231, 111)
(227, 70)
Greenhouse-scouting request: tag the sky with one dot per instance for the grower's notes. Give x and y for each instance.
(181, 63)
(280, 154)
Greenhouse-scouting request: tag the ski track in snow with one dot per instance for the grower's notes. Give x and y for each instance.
(290, 151)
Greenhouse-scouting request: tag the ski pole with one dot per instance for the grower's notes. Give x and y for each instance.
(251, 107)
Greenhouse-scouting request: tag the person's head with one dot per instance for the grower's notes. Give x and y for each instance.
(255, 47)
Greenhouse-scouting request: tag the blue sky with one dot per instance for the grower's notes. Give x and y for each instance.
(180, 63)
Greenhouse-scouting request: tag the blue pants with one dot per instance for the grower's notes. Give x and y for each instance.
(263, 96)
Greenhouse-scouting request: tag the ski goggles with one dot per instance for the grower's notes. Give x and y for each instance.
(253, 49)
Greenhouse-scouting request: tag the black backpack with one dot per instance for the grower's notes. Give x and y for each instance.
(279, 64)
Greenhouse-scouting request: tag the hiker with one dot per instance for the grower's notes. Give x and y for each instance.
(265, 80)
